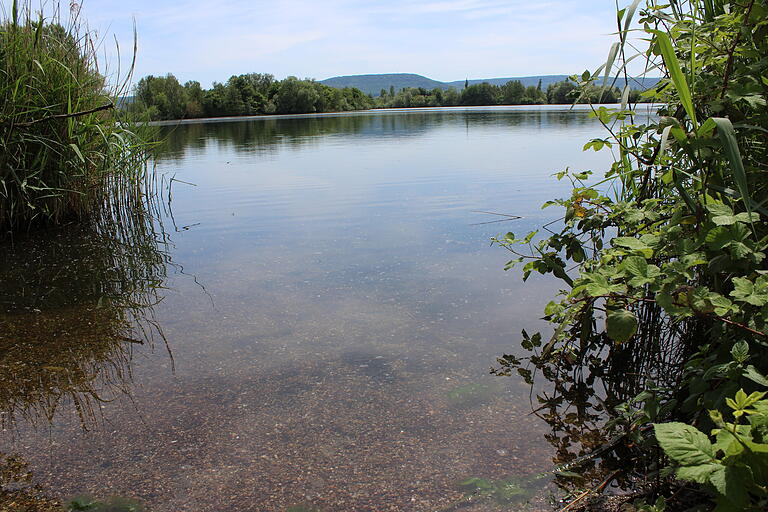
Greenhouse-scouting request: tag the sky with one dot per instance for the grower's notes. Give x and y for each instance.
(447, 40)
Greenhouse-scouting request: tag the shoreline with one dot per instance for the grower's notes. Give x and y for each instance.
(459, 108)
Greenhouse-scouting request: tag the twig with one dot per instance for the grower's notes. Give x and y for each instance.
(108, 106)
(595, 490)
(729, 62)
(736, 324)
(499, 214)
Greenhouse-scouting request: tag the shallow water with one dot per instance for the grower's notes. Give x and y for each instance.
(320, 312)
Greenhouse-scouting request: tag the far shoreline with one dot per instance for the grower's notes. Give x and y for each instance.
(457, 108)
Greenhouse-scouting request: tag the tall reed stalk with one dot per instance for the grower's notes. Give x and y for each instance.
(64, 151)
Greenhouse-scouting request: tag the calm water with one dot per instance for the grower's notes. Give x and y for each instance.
(330, 306)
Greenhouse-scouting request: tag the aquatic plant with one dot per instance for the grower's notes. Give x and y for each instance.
(663, 259)
(474, 393)
(65, 152)
(114, 504)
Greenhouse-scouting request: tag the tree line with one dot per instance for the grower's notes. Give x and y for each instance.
(511, 93)
(164, 97)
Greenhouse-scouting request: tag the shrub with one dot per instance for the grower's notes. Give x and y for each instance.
(664, 259)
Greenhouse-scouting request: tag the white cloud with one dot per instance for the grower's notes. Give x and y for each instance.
(443, 39)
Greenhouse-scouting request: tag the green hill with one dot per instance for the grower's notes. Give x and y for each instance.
(373, 84)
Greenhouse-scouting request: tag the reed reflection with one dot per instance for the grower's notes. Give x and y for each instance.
(75, 305)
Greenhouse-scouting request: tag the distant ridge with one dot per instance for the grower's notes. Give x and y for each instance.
(373, 84)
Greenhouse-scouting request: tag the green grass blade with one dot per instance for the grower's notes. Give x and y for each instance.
(731, 146)
(664, 140)
(676, 74)
(609, 63)
(630, 13)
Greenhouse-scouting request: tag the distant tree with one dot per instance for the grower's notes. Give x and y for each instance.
(481, 94)
(512, 92)
(600, 94)
(163, 95)
(561, 92)
(451, 97)
(533, 96)
(193, 93)
(296, 96)
(213, 100)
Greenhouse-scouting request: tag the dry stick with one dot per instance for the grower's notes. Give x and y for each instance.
(64, 116)
(588, 492)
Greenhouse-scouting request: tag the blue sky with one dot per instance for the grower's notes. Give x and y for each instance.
(209, 40)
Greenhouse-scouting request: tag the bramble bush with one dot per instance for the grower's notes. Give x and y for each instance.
(664, 258)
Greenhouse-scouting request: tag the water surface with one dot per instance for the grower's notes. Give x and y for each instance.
(319, 315)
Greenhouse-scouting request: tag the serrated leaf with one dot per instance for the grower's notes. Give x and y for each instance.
(719, 209)
(745, 290)
(730, 483)
(718, 238)
(636, 266)
(621, 325)
(684, 444)
(740, 351)
(700, 473)
(633, 244)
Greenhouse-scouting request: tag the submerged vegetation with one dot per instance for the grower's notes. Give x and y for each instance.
(66, 154)
(662, 329)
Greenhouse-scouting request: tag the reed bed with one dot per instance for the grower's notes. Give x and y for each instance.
(66, 153)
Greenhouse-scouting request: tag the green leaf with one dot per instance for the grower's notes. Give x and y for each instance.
(731, 147)
(621, 325)
(740, 351)
(609, 62)
(718, 238)
(730, 482)
(700, 473)
(635, 266)
(77, 151)
(752, 374)
(596, 285)
(684, 444)
(632, 244)
(745, 290)
(676, 74)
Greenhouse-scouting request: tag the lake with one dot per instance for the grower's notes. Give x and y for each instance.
(308, 320)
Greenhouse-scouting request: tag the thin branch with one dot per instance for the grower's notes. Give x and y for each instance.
(108, 106)
(729, 62)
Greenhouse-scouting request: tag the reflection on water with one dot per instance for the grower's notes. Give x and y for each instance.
(264, 136)
(337, 357)
(74, 303)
